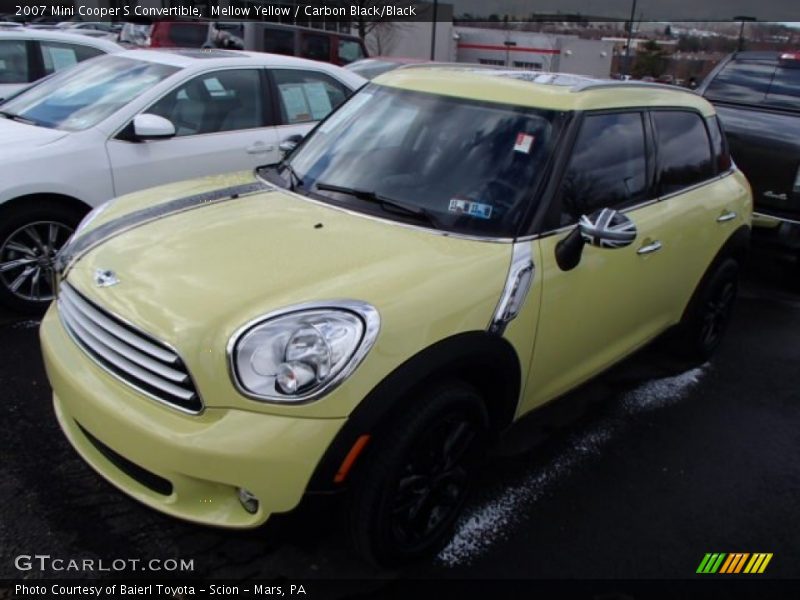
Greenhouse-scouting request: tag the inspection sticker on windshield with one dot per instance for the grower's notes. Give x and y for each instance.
(473, 209)
(524, 143)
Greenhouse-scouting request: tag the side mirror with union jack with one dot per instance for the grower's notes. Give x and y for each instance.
(605, 228)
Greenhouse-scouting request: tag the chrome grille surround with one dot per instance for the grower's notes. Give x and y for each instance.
(147, 365)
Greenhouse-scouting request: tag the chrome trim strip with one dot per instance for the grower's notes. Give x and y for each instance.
(366, 312)
(68, 295)
(102, 321)
(98, 335)
(451, 234)
(515, 292)
(781, 219)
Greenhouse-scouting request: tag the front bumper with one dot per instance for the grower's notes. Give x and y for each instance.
(188, 466)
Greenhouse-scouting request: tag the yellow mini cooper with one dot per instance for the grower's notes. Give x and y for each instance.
(448, 251)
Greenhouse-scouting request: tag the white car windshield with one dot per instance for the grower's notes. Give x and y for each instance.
(81, 97)
(451, 163)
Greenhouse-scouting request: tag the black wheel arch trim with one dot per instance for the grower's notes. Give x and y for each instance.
(487, 361)
(737, 247)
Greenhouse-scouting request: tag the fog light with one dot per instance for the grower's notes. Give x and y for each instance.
(248, 500)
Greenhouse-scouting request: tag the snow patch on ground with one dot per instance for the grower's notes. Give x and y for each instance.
(486, 524)
(660, 393)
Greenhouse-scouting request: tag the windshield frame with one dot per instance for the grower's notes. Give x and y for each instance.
(535, 194)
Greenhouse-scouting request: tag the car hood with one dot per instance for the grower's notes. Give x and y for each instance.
(16, 136)
(193, 278)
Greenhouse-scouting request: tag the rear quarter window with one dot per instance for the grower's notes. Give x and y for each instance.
(742, 81)
(785, 89)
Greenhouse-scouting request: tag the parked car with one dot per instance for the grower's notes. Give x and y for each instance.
(104, 26)
(448, 251)
(370, 68)
(133, 120)
(757, 95)
(315, 44)
(27, 55)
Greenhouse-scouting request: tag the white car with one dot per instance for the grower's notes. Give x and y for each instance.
(124, 122)
(30, 54)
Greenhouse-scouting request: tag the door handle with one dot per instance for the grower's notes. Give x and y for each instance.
(728, 215)
(259, 148)
(653, 246)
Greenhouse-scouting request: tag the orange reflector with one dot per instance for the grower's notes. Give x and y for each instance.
(351, 457)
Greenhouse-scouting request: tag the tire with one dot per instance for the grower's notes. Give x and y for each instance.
(25, 263)
(704, 324)
(406, 473)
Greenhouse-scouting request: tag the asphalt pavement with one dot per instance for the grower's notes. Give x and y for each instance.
(639, 474)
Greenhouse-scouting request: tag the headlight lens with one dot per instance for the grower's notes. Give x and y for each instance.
(297, 356)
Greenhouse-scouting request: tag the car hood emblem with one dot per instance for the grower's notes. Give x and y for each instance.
(105, 278)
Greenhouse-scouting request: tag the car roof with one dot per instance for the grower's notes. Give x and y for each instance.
(184, 58)
(537, 89)
(52, 35)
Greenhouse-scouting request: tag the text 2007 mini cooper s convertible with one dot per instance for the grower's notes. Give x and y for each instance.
(451, 249)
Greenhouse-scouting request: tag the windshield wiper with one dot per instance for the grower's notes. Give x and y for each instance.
(16, 117)
(387, 204)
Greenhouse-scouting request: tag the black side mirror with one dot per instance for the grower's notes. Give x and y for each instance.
(605, 228)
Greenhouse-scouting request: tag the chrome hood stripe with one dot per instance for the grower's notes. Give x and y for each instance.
(81, 244)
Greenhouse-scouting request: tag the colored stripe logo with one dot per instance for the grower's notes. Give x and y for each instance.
(735, 562)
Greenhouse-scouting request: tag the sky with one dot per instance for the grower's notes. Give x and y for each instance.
(651, 10)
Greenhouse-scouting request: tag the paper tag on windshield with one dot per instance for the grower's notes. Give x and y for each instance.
(524, 143)
(473, 209)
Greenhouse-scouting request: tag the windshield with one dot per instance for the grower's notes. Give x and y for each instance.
(465, 166)
(81, 97)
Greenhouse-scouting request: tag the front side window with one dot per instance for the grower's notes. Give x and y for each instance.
(306, 96)
(226, 100)
(80, 98)
(13, 62)
(349, 51)
(279, 41)
(741, 81)
(316, 47)
(443, 162)
(608, 167)
(683, 148)
(57, 56)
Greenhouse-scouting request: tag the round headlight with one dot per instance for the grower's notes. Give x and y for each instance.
(297, 355)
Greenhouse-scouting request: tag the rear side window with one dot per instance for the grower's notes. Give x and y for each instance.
(13, 62)
(683, 150)
(57, 56)
(742, 81)
(719, 145)
(316, 47)
(307, 95)
(279, 41)
(785, 89)
(608, 168)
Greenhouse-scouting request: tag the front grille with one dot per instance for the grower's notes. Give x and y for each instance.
(132, 470)
(140, 361)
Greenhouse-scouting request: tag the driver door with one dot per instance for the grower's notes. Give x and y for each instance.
(615, 299)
